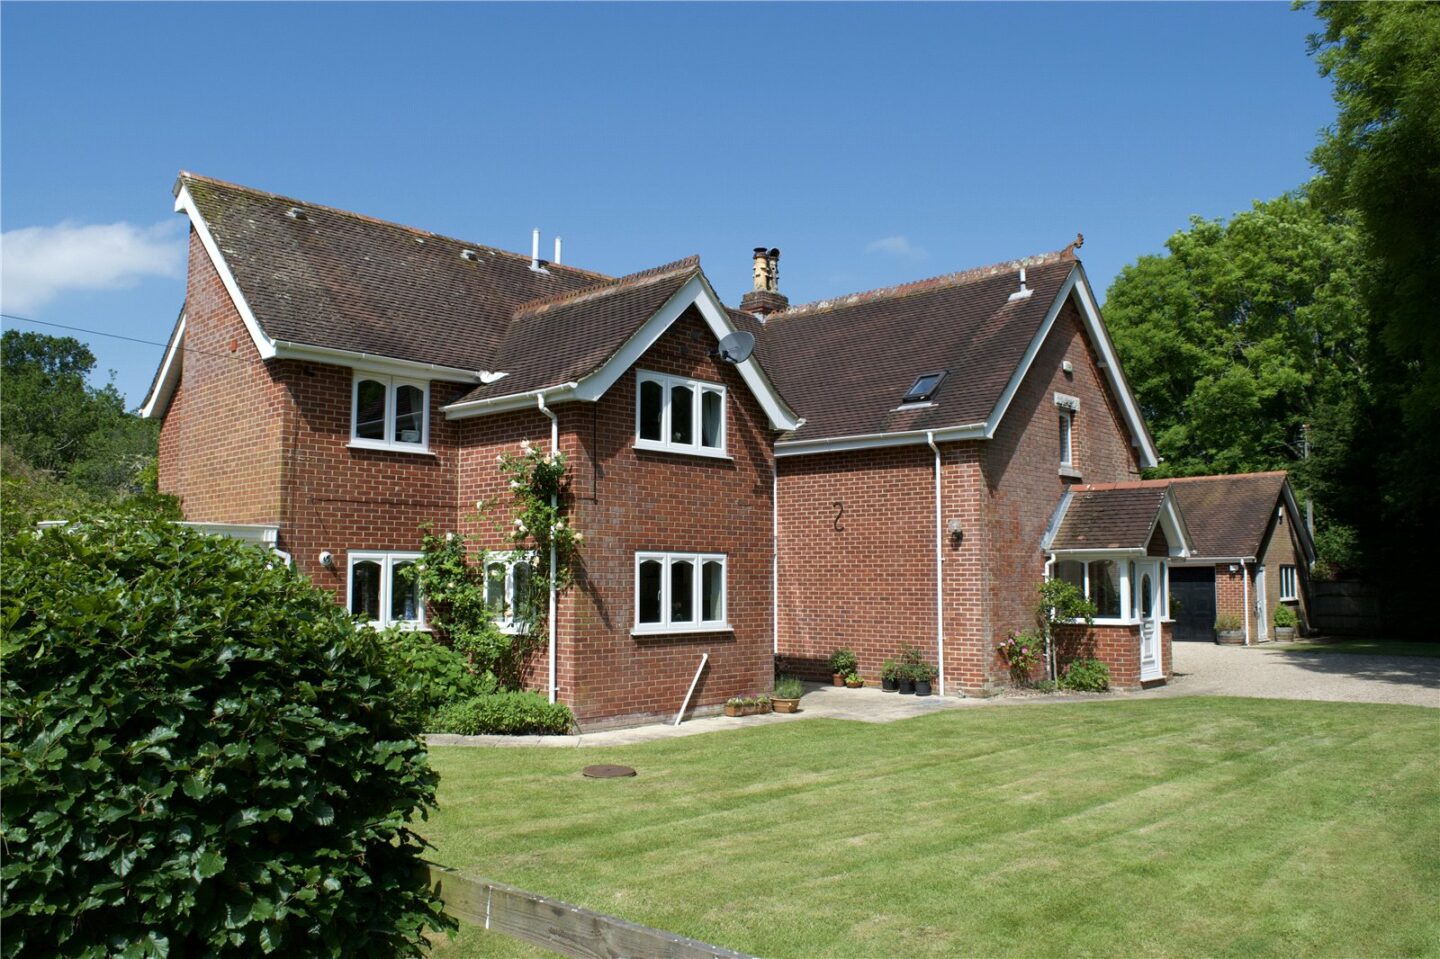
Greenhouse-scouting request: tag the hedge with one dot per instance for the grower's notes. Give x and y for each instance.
(201, 757)
(511, 714)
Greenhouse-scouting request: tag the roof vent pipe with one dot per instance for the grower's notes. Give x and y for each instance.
(557, 250)
(535, 249)
(1024, 290)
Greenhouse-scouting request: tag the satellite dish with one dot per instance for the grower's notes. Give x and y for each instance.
(736, 348)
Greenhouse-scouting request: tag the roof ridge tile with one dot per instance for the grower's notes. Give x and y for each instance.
(364, 218)
(944, 281)
(651, 275)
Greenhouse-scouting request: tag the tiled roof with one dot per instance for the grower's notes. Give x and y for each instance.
(344, 281)
(1228, 515)
(1112, 516)
(845, 363)
(561, 338)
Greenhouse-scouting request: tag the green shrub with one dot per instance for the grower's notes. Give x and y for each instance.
(788, 687)
(1285, 617)
(1228, 623)
(506, 714)
(429, 675)
(843, 661)
(200, 756)
(1086, 675)
(890, 670)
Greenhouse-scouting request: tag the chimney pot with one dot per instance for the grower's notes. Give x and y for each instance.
(765, 296)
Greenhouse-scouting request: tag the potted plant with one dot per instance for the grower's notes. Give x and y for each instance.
(924, 674)
(747, 706)
(853, 680)
(786, 698)
(905, 679)
(732, 706)
(1229, 631)
(842, 664)
(762, 704)
(889, 676)
(1285, 623)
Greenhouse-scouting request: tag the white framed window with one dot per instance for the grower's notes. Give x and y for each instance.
(1107, 583)
(680, 592)
(388, 413)
(377, 591)
(1066, 408)
(679, 415)
(1289, 587)
(507, 587)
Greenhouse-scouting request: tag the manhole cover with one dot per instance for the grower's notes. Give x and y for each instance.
(606, 771)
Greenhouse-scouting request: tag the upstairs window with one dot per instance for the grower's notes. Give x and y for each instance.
(389, 413)
(381, 593)
(1288, 587)
(679, 592)
(1066, 408)
(507, 589)
(924, 388)
(679, 415)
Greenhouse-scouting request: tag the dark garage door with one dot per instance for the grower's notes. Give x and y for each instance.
(1192, 593)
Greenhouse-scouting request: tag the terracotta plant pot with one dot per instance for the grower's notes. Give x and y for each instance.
(856, 684)
(732, 710)
(786, 705)
(763, 708)
(838, 679)
(747, 710)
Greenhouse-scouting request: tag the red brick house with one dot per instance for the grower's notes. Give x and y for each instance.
(335, 381)
(1253, 554)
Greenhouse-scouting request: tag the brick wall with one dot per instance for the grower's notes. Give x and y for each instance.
(1116, 646)
(220, 442)
(1282, 548)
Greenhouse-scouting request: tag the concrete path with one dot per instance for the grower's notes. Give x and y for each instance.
(868, 705)
(1269, 672)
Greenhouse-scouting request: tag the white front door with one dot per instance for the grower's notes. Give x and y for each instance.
(1262, 621)
(1149, 591)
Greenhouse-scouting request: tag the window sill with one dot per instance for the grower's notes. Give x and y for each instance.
(680, 629)
(651, 446)
(390, 447)
(1070, 472)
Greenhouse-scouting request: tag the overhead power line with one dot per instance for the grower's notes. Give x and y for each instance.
(116, 336)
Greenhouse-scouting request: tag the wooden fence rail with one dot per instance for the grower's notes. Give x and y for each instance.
(559, 926)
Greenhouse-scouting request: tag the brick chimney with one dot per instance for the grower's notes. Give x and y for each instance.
(765, 298)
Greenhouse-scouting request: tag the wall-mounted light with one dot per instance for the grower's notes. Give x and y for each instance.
(1234, 568)
(957, 535)
(327, 559)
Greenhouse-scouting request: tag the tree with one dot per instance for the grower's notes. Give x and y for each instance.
(1381, 163)
(1247, 332)
(56, 422)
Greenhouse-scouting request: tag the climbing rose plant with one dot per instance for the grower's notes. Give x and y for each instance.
(454, 583)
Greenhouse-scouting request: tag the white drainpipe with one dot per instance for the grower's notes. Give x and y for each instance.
(1245, 584)
(939, 569)
(775, 557)
(1050, 653)
(554, 501)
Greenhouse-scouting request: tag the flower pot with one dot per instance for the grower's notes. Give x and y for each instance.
(922, 687)
(1230, 637)
(1284, 634)
(856, 684)
(763, 708)
(907, 687)
(888, 684)
(748, 710)
(838, 679)
(732, 710)
(786, 705)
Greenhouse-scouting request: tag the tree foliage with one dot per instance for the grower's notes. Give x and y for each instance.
(1244, 333)
(201, 756)
(56, 422)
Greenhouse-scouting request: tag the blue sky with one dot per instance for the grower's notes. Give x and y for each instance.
(873, 144)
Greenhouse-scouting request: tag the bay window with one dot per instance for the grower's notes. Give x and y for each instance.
(1107, 583)
(381, 593)
(679, 415)
(679, 592)
(389, 413)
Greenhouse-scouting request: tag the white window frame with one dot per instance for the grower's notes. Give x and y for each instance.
(391, 383)
(508, 623)
(1067, 406)
(1289, 577)
(1129, 593)
(700, 387)
(388, 561)
(698, 625)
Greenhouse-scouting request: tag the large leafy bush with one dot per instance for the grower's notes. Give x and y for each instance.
(200, 757)
(428, 675)
(511, 714)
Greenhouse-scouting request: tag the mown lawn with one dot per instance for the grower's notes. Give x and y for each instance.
(1180, 827)
(1365, 647)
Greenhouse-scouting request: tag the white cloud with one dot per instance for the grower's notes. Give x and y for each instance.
(897, 246)
(39, 263)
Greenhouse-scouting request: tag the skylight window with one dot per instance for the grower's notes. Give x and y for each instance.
(925, 388)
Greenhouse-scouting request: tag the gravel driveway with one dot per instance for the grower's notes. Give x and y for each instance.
(1204, 669)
